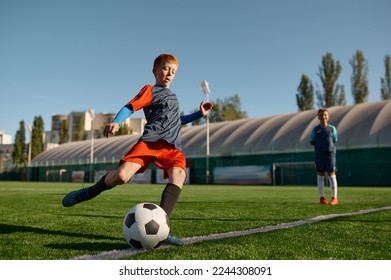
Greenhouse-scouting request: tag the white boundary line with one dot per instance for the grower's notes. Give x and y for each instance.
(116, 254)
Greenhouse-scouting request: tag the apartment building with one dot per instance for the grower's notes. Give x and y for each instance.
(89, 122)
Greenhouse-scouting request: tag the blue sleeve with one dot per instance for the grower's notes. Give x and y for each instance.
(312, 137)
(123, 114)
(191, 117)
(335, 136)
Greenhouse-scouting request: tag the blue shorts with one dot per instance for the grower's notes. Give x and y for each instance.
(325, 163)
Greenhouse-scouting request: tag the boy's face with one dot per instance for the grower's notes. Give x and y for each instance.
(165, 73)
(323, 118)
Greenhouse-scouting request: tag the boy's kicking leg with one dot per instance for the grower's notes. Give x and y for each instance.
(108, 181)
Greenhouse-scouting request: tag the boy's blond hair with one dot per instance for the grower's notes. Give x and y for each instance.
(168, 58)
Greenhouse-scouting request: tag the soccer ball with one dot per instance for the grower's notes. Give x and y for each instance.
(146, 226)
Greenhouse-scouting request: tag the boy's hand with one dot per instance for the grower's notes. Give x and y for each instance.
(205, 108)
(110, 129)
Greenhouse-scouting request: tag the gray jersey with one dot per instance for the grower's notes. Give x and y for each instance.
(161, 109)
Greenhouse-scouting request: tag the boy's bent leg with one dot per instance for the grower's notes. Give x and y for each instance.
(108, 181)
(76, 197)
(85, 194)
(122, 174)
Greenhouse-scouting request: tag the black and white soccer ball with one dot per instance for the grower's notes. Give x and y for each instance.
(146, 225)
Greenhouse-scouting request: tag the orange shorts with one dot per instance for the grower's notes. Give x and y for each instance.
(161, 153)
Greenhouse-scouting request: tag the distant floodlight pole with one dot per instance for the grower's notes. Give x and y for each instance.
(205, 89)
(29, 153)
(31, 137)
(92, 115)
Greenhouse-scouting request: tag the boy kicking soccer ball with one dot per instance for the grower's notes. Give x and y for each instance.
(160, 142)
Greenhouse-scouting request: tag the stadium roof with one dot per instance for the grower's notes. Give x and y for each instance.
(359, 126)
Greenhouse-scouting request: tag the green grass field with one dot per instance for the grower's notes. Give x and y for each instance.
(35, 226)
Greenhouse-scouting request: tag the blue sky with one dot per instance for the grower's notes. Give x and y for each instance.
(62, 56)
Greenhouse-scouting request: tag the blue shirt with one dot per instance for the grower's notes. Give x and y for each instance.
(324, 138)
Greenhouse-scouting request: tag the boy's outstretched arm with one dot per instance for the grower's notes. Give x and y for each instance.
(113, 127)
(204, 110)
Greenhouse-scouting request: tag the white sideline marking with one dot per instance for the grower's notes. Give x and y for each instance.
(116, 254)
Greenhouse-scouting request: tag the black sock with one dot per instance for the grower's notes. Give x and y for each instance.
(170, 196)
(99, 187)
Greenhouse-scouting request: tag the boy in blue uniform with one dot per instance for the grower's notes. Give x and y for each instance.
(324, 137)
(160, 142)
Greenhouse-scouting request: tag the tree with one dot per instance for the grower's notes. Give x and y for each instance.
(79, 131)
(359, 79)
(386, 82)
(305, 94)
(84, 135)
(37, 136)
(63, 132)
(341, 98)
(98, 133)
(228, 109)
(328, 74)
(225, 110)
(19, 153)
(124, 129)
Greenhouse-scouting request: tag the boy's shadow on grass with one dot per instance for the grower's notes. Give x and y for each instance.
(98, 245)
(87, 246)
(7, 229)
